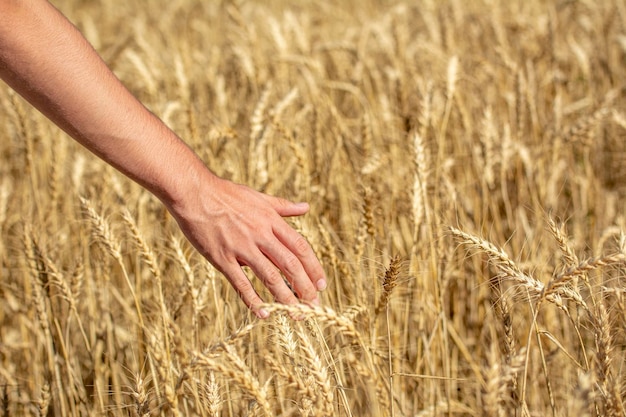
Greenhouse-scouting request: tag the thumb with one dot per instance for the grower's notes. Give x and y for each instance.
(287, 208)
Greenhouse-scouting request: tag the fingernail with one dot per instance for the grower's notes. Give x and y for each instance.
(321, 285)
(316, 302)
(262, 313)
(302, 205)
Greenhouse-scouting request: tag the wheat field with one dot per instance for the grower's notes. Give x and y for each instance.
(465, 162)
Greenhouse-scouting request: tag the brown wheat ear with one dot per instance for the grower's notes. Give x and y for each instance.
(390, 280)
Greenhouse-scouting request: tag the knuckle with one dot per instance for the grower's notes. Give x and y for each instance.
(281, 202)
(291, 265)
(239, 282)
(301, 246)
(245, 291)
(270, 275)
(308, 293)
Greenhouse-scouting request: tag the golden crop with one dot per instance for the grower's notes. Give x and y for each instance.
(465, 162)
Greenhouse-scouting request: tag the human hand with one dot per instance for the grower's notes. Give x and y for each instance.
(233, 226)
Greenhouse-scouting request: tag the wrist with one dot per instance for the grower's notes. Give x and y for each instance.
(185, 182)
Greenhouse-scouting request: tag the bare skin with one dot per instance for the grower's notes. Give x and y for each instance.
(46, 60)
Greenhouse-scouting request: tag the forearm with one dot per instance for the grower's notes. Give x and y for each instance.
(47, 61)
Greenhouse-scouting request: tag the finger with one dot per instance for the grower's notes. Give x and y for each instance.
(302, 250)
(246, 292)
(287, 208)
(271, 277)
(292, 268)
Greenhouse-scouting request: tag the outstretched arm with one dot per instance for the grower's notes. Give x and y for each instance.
(46, 60)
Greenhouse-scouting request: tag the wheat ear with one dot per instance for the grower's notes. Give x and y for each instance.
(211, 397)
(238, 371)
(390, 280)
(605, 349)
(190, 279)
(501, 261)
(140, 397)
(104, 236)
(44, 400)
(57, 279)
(38, 279)
(319, 373)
